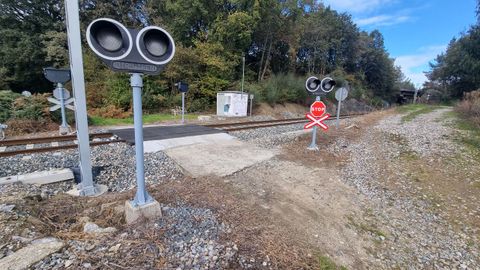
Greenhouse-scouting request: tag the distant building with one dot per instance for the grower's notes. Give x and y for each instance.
(407, 95)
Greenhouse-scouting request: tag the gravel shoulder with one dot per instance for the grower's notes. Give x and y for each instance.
(420, 185)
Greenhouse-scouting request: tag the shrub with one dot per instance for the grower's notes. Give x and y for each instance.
(56, 116)
(119, 92)
(470, 107)
(24, 126)
(199, 104)
(110, 111)
(6, 104)
(280, 88)
(34, 107)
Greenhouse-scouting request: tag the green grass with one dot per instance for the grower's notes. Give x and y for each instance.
(369, 228)
(325, 263)
(410, 108)
(414, 110)
(147, 119)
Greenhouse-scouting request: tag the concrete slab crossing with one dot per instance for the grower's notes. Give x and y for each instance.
(160, 145)
(220, 158)
(200, 150)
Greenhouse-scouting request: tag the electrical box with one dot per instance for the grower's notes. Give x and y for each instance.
(232, 104)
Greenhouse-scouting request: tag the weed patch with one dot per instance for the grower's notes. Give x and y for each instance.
(367, 228)
(469, 134)
(325, 263)
(147, 119)
(413, 114)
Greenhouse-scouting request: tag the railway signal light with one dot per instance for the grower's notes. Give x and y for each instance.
(182, 87)
(123, 49)
(57, 75)
(319, 87)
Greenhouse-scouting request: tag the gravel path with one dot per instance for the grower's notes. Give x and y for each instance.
(416, 236)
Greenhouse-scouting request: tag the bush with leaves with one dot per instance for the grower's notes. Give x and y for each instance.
(6, 104)
(34, 107)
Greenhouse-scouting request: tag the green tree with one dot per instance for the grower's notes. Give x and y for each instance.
(458, 68)
(23, 25)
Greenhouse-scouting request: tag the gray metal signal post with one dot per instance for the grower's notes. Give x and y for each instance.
(141, 197)
(340, 95)
(183, 88)
(313, 145)
(86, 187)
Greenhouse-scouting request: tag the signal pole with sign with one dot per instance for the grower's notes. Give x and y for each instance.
(183, 88)
(340, 95)
(137, 52)
(61, 95)
(318, 88)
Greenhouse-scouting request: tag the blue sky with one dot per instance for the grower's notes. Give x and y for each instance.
(415, 31)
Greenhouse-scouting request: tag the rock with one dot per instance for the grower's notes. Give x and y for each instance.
(92, 228)
(204, 118)
(27, 256)
(6, 208)
(21, 239)
(115, 248)
(83, 220)
(89, 247)
(68, 263)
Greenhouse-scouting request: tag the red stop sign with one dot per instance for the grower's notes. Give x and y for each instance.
(317, 109)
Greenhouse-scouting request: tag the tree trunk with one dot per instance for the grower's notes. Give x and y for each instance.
(261, 59)
(267, 60)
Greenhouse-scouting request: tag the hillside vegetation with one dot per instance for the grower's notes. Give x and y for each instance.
(282, 42)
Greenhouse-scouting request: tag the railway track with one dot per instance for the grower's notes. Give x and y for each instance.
(56, 143)
(51, 144)
(267, 123)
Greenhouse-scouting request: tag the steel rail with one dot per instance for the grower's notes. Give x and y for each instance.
(50, 139)
(293, 120)
(51, 148)
(252, 122)
(263, 124)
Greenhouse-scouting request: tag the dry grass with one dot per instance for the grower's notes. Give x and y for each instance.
(27, 126)
(253, 230)
(470, 107)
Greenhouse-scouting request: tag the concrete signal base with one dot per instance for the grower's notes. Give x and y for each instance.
(63, 130)
(99, 190)
(149, 210)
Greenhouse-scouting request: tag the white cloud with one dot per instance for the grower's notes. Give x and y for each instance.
(410, 64)
(355, 6)
(382, 20)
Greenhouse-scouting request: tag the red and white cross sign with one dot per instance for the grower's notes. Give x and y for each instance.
(317, 121)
